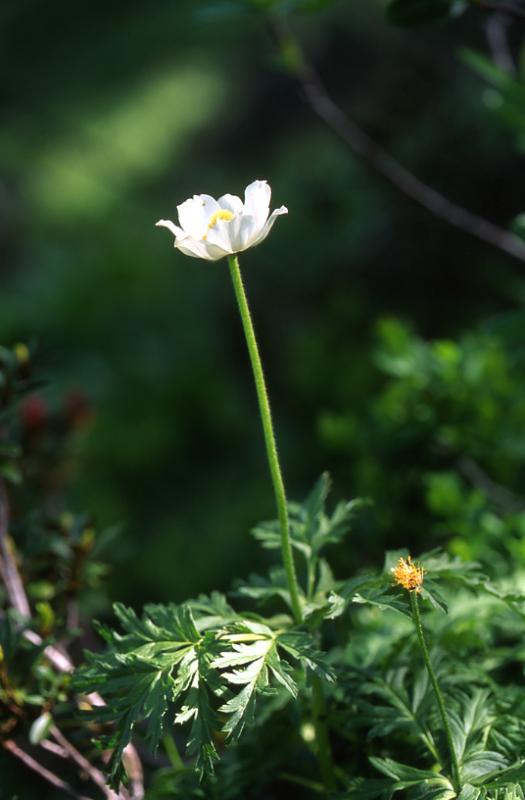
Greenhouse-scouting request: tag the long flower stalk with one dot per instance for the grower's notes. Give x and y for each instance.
(414, 606)
(211, 229)
(269, 436)
(323, 750)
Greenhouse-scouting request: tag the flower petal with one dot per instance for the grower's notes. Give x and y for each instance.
(214, 252)
(200, 249)
(220, 234)
(257, 198)
(268, 226)
(231, 203)
(244, 229)
(167, 223)
(195, 213)
(205, 233)
(191, 247)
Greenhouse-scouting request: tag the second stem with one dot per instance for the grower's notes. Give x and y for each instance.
(414, 605)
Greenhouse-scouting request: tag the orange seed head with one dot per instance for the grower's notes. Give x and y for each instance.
(408, 575)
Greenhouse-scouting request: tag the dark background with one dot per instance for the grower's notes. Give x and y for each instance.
(112, 114)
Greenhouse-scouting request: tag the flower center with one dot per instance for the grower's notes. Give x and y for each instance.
(408, 575)
(222, 214)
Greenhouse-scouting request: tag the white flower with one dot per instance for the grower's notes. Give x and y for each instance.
(212, 229)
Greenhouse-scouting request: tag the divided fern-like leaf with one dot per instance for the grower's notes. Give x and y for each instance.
(312, 528)
(160, 659)
(203, 662)
(250, 661)
(426, 785)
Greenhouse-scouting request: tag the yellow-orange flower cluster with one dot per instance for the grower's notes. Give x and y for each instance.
(408, 575)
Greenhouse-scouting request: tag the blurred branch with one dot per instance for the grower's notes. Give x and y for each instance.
(367, 149)
(508, 9)
(44, 773)
(95, 774)
(16, 592)
(135, 773)
(132, 763)
(8, 567)
(58, 658)
(61, 661)
(496, 29)
(53, 748)
(499, 495)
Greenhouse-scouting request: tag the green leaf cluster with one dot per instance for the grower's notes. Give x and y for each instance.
(199, 664)
(390, 689)
(312, 530)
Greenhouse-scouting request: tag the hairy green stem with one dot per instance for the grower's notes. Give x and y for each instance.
(269, 436)
(414, 605)
(324, 755)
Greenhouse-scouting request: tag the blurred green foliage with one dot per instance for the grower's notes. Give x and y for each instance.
(443, 439)
(116, 117)
(393, 342)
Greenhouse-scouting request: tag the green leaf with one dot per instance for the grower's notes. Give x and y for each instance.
(437, 789)
(369, 789)
(158, 660)
(384, 599)
(430, 592)
(405, 706)
(424, 784)
(330, 607)
(211, 611)
(402, 772)
(40, 728)
(250, 661)
(301, 646)
(508, 776)
(311, 527)
(264, 589)
(197, 706)
(481, 764)
(512, 792)
(472, 714)
(499, 78)
(469, 792)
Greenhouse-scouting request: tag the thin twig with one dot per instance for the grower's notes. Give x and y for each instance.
(55, 749)
(57, 657)
(383, 163)
(44, 773)
(95, 774)
(496, 28)
(509, 9)
(135, 773)
(507, 501)
(8, 566)
(15, 588)
(132, 762)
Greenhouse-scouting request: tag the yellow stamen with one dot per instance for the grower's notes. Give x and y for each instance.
(408, 575)
(222, 214)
